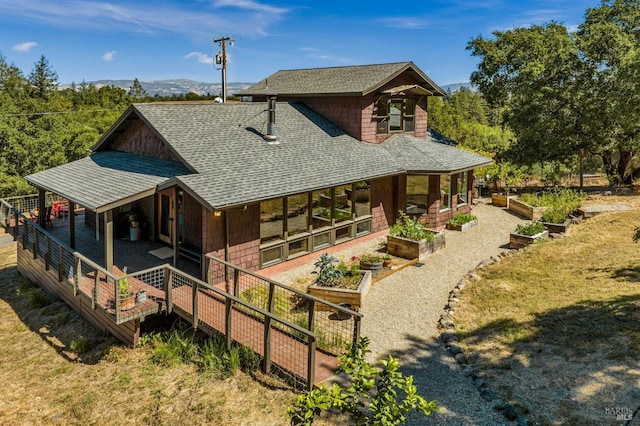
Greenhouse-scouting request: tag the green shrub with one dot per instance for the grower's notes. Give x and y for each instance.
(410, 228)
(174, 348)
(372, 396)
(530, 229)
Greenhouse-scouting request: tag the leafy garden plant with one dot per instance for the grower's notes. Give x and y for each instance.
(410, 228)
(530, 229)
(560, 203)
(374, 396)
(462, 218)
(328, 274)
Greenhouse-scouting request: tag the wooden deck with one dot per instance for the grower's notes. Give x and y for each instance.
(90, 290)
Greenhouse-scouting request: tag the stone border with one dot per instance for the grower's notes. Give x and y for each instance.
(450, 340)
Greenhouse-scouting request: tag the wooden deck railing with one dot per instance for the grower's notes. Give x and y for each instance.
(335, 325)
(285, 345)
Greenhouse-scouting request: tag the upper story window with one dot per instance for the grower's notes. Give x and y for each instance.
(395, 115)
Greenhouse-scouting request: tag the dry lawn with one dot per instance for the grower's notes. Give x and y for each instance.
(556, 328)
(44, 381)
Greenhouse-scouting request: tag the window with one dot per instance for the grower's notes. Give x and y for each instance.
(321, 207)
(342, 206)
(333, 215)
(395, 115)
(297, 214)
(271, 221)
(417, 193)
(445, 192)
(462, 188)
(362, 199)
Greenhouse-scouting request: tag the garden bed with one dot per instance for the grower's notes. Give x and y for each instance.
(411, 249)
(518, 241)
(525, 210)
(342, 296)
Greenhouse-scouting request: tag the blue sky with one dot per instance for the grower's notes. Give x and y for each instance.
(164, 39)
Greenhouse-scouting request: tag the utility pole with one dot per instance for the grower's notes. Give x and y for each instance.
(221, 59)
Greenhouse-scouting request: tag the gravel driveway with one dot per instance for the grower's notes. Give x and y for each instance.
(402, 311)
(401, 315)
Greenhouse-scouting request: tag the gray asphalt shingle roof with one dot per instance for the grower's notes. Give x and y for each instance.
(105, 178)
(431, 155)
(231, 164)
(348, 80)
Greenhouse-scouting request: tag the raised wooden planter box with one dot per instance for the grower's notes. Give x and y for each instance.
(518, 241)
(342, 296)
(501, 200)
(464, 227)
(410, 249)
(525, 210)
(555, 228)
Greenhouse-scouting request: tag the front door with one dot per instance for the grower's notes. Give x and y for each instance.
(165, 217)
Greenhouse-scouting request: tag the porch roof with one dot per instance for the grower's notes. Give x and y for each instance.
(107, 179)
(431, 156)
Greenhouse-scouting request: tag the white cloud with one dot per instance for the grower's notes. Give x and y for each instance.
(117, 15)
(25, 47)
(407, 23)
(202, 58)
(109, 56)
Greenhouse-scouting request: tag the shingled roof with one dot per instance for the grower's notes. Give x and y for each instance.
(107, 179)
(226, 162)
(346, 81)
(431, 156)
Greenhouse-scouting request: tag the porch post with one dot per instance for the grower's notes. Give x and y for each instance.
(72, 224)
(174, 227)
(42, 208)
(108, 240)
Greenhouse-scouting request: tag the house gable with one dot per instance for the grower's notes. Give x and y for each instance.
(350, 96)
(133, 134)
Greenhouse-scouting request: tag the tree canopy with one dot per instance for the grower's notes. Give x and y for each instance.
(563, 92)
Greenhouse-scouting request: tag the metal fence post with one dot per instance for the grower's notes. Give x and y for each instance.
(78, 276)
(195, 305)
(168, 290)
(227, 323)
(47, 256)
(356, 329)
(311, 363)
(96, 289)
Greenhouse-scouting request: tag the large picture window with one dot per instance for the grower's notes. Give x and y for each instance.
(395, 115)
(462, 188)
(289, 229)
(417, 194)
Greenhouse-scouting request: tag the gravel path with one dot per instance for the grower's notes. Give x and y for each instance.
(402, 310)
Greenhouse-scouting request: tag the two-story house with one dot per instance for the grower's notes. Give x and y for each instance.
(318, 157)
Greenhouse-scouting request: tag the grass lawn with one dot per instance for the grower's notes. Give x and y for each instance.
(556, 328)
(56, 369)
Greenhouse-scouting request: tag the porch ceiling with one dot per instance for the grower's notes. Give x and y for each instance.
(107, 179)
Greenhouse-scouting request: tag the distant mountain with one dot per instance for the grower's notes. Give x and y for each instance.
(457, 86)
(171, 87)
